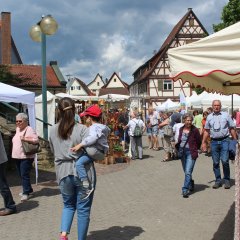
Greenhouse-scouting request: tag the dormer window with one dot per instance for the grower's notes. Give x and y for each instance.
(98, 84)
(114, 79)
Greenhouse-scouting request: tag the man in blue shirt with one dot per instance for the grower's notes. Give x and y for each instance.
(219, 126)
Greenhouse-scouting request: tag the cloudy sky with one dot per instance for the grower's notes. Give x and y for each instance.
(103, 36)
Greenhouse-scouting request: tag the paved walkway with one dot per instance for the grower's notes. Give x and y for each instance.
(141, 201)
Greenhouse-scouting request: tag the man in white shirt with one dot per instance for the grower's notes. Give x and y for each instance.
(136, 141)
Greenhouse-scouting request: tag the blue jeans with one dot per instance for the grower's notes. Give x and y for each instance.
(188, 165)
(220, 151)
(24, 167)
(4, 189)
(80, 166)
(71, 190)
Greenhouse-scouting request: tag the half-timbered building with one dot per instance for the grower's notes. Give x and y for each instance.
(152, 85)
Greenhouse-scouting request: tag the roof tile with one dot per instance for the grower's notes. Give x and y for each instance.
(31, 75)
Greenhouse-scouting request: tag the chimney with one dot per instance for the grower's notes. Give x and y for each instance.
(52, 63)
(6, 38)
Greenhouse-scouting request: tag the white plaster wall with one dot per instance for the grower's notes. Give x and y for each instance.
(94, 85)
(115, 84)
(80, 92)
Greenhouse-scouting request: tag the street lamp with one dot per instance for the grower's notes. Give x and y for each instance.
(38, 32)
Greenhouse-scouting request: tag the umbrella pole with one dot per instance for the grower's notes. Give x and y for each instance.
(232, 104)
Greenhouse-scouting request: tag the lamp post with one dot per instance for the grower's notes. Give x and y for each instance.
(46, 26)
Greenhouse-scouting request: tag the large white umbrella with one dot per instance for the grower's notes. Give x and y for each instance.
(212, 62)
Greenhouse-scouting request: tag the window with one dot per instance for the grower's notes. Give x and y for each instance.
(78, 88)
(98, 84)
(114, 79)
(167, 85)
(72, 88)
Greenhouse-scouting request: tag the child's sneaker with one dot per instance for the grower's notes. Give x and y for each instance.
(63, 238)
(86, 192)
(86, 189)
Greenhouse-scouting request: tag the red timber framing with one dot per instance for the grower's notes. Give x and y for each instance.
(154, 74)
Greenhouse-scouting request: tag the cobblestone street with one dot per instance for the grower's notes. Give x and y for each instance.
(141, 200)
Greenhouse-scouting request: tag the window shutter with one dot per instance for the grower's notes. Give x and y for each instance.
(160, 85)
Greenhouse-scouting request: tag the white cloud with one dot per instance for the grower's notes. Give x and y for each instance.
(103, 36)
(75, 66)
(115, 47)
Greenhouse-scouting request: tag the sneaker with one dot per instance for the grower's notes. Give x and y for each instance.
(191, 188)
(227, 185)
(24, 197)
(185, 194)
(63, 238)
(21, 194)
(217, 185)
(86, 193)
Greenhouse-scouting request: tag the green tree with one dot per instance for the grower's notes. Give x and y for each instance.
(7, 77)
(230, 15)
(198, 90)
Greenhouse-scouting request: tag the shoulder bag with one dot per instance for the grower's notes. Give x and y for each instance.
(30, 148)
(167, 129)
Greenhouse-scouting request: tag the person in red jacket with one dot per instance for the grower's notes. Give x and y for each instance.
(189, 141)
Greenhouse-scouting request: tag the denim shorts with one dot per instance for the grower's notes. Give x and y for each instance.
(155, 130)
(149, 131)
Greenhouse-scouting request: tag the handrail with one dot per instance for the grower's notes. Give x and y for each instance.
(49, 124)
(10, 106)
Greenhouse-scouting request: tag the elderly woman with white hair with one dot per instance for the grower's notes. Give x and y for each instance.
(23, 162)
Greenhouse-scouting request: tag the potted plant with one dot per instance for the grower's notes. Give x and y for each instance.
(117, 150)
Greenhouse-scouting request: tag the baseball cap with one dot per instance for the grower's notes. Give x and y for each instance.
(94, 111)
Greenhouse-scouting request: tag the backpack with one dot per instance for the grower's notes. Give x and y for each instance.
(137, 132)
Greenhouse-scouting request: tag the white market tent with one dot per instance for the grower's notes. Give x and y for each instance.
(212, 62)
(168, 105)
(76, 98)
(50, 112)
(114, 97)
(204, 100)
(108, 97)
(13, 94)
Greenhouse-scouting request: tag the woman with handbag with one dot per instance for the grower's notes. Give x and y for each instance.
(23, 160)
(189, 141)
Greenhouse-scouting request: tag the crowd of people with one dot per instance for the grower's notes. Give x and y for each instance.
(185, 136)
(75, 147)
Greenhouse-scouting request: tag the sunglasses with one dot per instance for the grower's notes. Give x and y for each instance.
(19, 121)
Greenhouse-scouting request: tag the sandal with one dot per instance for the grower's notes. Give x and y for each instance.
(166, 160)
